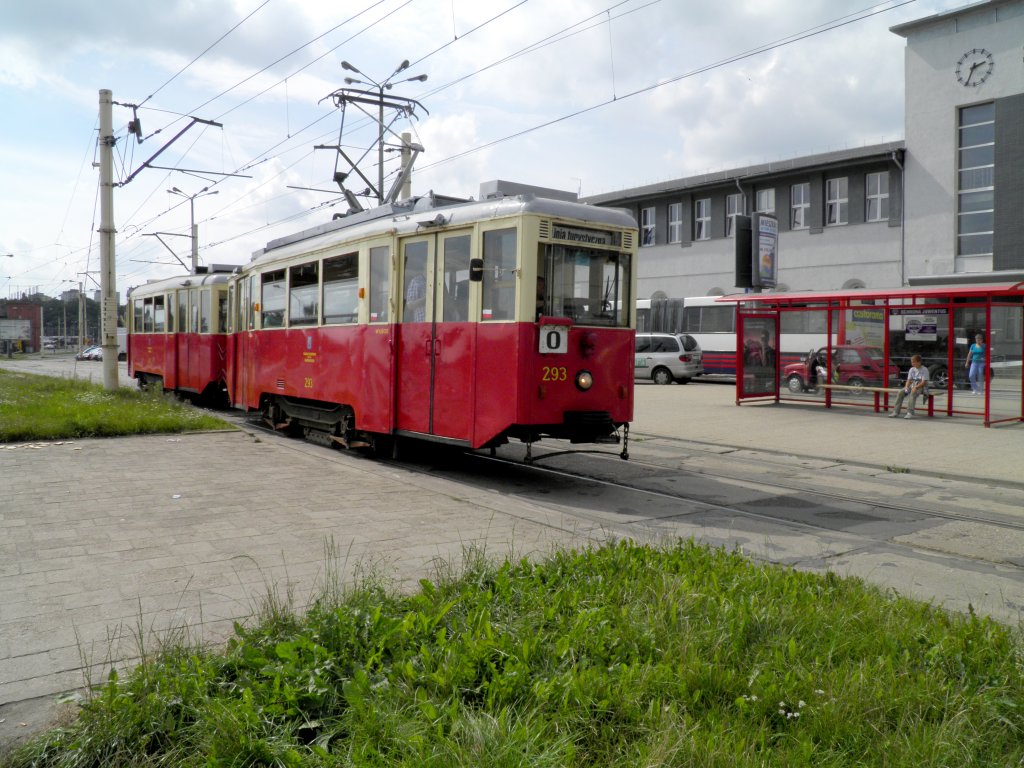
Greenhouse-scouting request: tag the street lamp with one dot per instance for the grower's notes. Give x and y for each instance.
(386, 84)
(192, 209)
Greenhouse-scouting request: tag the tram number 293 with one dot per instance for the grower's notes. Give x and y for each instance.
(554, 339)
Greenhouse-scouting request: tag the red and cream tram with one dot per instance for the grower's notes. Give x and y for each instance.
(464, 322)
(177, 334)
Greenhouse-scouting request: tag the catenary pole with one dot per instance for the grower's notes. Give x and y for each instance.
(108, 285)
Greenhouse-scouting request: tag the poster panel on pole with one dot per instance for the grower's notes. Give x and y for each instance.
(758, 363)
(765, 250)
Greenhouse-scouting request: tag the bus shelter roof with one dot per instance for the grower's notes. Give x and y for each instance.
(880, 296)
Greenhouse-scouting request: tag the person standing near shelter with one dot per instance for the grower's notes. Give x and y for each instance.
(976, 365)
(916, 384)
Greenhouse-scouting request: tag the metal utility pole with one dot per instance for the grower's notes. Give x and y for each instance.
(406, 173)
(108, 283)
(195, 227)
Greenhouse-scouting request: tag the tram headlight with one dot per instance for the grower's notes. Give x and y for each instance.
(584, 381)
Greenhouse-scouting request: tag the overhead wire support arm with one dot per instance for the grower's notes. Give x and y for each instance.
(155, 155)
(157, 235)
(373, 104)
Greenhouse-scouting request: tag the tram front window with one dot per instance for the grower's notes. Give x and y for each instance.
(587, 285)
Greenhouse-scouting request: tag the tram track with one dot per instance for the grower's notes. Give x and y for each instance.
(964, 560)
(802, 488)
(854, 507)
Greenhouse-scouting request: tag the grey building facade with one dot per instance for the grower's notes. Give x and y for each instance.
(839, 219)
(941, 207)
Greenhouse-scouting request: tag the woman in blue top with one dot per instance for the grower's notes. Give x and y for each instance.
(976, 363)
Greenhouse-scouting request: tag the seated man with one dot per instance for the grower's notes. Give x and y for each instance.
(916, 384)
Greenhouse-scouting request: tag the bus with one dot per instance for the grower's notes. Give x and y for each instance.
(713, 325)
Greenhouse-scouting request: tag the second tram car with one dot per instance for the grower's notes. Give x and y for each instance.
(177, 334)
(464, 322)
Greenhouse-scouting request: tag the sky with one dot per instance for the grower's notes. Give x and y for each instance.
(590, 96)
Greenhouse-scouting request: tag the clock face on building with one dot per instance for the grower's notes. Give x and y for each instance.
(974, 67)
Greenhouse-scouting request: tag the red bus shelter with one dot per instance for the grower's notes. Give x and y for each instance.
(854, 347)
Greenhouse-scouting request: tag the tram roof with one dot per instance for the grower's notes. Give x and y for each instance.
(221, 275)
(930, 293)
(415, 215)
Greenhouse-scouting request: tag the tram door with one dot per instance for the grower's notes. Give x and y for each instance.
(434, 371)
(183, 337)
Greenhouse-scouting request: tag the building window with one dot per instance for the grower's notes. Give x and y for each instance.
(766, 200)
(878, 196)
(675, 222)
(976, 187)
(837, 201)
(702, 219)
(800, 199)
(733, 208)
(646, 226)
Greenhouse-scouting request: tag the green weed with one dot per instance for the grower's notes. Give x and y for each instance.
(48, 408)
(622, 655)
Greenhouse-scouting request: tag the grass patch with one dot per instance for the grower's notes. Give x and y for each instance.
(47, 408)
(623, 655)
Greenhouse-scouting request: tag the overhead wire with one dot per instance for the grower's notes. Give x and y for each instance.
(781, 43)
(536, 46)
(206, 51)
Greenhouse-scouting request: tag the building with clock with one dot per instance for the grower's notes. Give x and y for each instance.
(941, 207)
(964, 73)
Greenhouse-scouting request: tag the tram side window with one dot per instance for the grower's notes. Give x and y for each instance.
(222, 312)
(147, 316)
(380, 267)
(414, 275)
(183, 312)
(193, 303)
(303, 290)
(158, 314)
(499, 285)
(272, 301)
(204, 311)
(170, 312)
(251, 298)
(456, 278)
(341, 289)
(137, 316)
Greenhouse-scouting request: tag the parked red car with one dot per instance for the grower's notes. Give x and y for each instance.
(855, 366)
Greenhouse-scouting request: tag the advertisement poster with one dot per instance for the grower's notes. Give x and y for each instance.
(865, 327)
(766, 250)
(759, 361)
